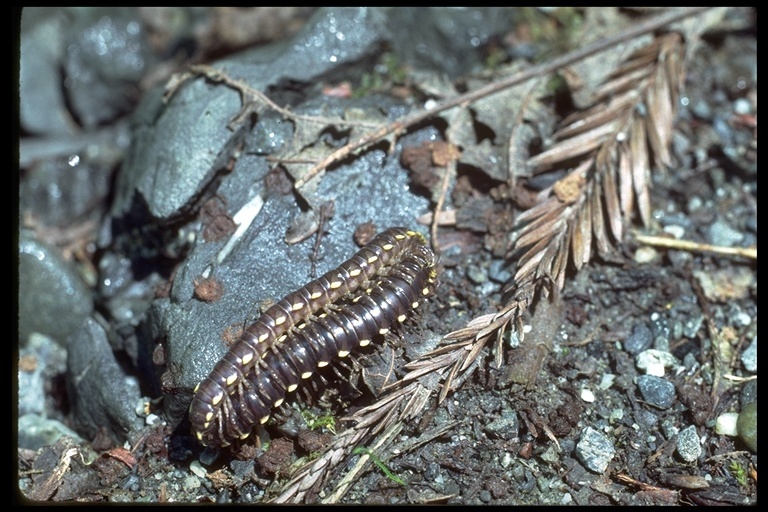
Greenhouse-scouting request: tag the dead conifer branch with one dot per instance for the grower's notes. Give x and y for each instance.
(252, 99)
(627, 129)
(383, 441)
(384, 418)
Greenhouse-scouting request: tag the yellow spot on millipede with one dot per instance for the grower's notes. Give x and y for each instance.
(278, 402)
(343, 353)
(217, 399)
(263, 337)
(196, 388)
(322, 364)
(282, 338)
(425, 291)
(383, 331)
(208, 418)
(365, 342)
(401, 318)
(231, 379)
(247, 358)
(372, 259)
(335, 284)
(415, 305)
(244, 436)
(355, 272)
(280, 320)
(297, 306)
(315, 295)
(306, 375)
(264, 419)
(387, 247)
(292, 387)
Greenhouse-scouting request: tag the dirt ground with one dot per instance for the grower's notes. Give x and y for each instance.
(572, 416)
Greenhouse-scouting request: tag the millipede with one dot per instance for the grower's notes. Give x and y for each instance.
(328, 318)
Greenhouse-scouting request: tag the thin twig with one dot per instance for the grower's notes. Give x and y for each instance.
(687, 245)
(353, 473)
(450, 171)
(522, 76)
(250, 95)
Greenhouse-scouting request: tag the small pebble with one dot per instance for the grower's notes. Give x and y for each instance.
(655, 361)
(725, 424)
(747, 426)
(640, 339)
(676, 231)
(689, 444)
(196, 468)
(656, 391)
(595, 450)
(645, 254)
(749, 356)
(721, 233)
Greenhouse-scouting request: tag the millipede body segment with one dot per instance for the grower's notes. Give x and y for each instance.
(328, 318)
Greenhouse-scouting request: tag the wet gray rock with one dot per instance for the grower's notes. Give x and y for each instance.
(41, 359)
(42, 106)
(36, 431)
(446, 39)
(168, 172)
(100, 395)
(106, 55)
(62, 193)
(53, 300)
(103, 52)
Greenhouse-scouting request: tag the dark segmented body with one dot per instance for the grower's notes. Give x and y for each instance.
(308, 328)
